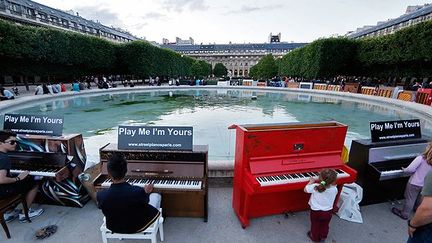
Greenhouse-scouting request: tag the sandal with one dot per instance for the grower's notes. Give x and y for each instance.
(46, 232)
(398, 212)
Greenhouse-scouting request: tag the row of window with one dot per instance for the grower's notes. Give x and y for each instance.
(235, 51)
(239, 72)
(393, 28)
(54, 20)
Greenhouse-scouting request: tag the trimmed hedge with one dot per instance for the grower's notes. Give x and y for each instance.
(26, 50)
(407, 52)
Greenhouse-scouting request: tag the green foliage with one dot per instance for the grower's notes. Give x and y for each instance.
(26, 50)
(200, 69)
(220, 70)
(266, 68)
(321, 58)
(407, 52)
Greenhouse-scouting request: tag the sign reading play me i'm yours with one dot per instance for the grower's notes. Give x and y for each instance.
(395, 130)
(34, 124)
(155, 138)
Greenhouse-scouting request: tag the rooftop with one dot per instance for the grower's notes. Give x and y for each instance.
(426, 9)
(74, 18)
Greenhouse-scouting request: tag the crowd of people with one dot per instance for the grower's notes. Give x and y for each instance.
(412, 84)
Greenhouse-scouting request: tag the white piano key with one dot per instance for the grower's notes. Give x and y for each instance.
(294, 178)
(161, 184)
(42, 172)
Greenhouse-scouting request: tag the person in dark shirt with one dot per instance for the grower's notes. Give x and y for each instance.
(127, 208)
(21, 184)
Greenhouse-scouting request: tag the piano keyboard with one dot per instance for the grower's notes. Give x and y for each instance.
(391, 172)
(161, 184)
(294, 178)
(42, 172)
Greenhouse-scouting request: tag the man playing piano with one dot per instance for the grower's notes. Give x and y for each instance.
(21, 184)
(127, 208)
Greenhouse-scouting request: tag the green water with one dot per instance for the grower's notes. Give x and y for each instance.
(209, 112)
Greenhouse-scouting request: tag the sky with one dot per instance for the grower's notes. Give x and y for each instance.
(236, 21)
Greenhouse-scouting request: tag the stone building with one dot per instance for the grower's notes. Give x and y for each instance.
(412, 16)
(32, 13)
(237, 58)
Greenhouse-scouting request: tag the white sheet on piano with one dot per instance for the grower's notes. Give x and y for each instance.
(161, 184)
(294, 177)
(44, 172)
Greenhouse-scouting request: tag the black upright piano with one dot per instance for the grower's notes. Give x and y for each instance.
(379, 167)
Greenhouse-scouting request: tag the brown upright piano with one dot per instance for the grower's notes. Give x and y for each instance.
(180, 176)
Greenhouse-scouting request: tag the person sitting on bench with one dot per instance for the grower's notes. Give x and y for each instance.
(21, 184)
(127, 209)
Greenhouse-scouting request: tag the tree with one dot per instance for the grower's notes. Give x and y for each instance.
(200, 69)
(266, 68)
(220, 70)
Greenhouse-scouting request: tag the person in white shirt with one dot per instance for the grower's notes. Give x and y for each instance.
(6, 94)
(39, 90)
(323, 195)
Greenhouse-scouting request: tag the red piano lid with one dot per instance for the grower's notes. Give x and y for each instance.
(286, 126)
(295, 162)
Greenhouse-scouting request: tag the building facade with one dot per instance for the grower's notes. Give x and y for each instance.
(237, 58)
(412, 16)
(31, 13)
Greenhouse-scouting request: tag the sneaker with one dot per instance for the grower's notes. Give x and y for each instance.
(32, 214)
(11, 215)
(398, 212)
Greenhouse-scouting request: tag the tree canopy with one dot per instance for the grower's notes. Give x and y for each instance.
(220, 70)
(266, 68)
(26, 50)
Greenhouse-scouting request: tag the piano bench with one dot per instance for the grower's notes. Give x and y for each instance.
(150, 233)
(9, 203)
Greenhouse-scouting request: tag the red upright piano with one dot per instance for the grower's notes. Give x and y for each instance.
(273, 163)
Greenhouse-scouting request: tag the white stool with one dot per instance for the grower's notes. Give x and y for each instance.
(149, 233)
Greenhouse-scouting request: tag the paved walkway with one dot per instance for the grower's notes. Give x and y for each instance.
(81, 225)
